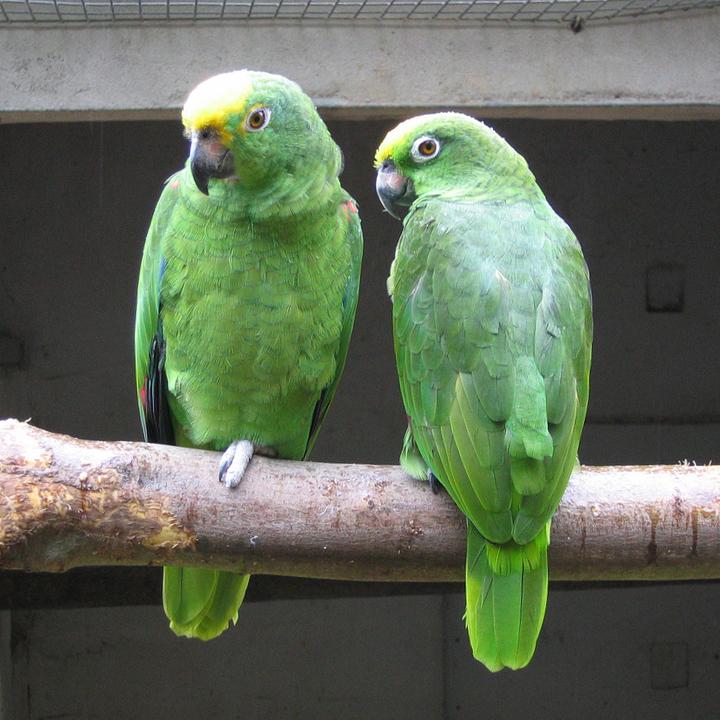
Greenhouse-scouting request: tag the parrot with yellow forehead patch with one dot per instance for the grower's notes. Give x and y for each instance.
(492, 326)
(246, 298)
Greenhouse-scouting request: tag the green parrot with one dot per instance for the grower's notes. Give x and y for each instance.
(246, 298)
(492, 325)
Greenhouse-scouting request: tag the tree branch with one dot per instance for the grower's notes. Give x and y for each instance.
(68, 503)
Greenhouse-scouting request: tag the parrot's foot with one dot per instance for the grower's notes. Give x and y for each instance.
(435, 484)
(234, 462)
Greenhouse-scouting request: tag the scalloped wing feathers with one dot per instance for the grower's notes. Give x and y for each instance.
(492, 334)
(493, 326)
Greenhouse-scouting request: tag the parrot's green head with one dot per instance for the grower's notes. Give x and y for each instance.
(447, 154)
(257, 132)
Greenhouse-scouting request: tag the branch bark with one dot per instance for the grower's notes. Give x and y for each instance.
(68, 503)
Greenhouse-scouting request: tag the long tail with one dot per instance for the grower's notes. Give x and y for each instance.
(506, 591)
(201, 603)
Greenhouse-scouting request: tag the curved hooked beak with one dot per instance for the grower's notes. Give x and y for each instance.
(209, 159)
(394, 190)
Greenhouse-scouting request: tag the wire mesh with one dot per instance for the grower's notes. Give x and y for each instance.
(575, 12)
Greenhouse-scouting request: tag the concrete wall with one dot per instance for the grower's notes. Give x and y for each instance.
(631, 654)
(641, 196)
(664, 67)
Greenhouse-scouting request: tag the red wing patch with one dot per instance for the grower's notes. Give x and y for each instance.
(349, 208)
(143, 393)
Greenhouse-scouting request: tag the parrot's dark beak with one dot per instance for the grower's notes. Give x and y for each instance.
(209, 158)
(395, 191)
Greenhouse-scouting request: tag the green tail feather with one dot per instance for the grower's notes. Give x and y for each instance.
(506, 591)
(411, 460)
(201, 603)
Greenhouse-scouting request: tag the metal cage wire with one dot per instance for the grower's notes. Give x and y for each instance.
(575, 12)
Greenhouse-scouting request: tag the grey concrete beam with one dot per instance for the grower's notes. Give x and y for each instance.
(663, 68)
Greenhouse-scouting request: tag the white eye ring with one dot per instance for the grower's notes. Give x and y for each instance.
(425, 148)
(264, 113)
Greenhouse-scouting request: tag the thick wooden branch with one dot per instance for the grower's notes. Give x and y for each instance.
(67, 503)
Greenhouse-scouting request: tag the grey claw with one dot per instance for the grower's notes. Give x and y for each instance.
(225, 463)
(435, 484)
(234, 462)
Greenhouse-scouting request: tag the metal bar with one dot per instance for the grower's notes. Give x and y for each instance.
(617, 13)
(520, 9)
(569, 14)
(508, 11)
(30, 10)
(360, 9)
(442, 7)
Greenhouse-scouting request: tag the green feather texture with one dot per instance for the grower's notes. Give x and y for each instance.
(201, 603)
(506, 591)
(493, 330)
(250, 290)
(411, 460)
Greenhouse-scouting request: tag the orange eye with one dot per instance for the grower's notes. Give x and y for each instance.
(425, 148)
(258, 119)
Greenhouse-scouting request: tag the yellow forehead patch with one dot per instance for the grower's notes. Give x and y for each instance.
(214, 100)
(412, 129)
(399, 134)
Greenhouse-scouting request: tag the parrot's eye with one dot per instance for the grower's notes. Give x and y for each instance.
(425, 148)
(257, 119)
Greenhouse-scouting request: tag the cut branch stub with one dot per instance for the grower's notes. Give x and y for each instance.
(67, 503)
